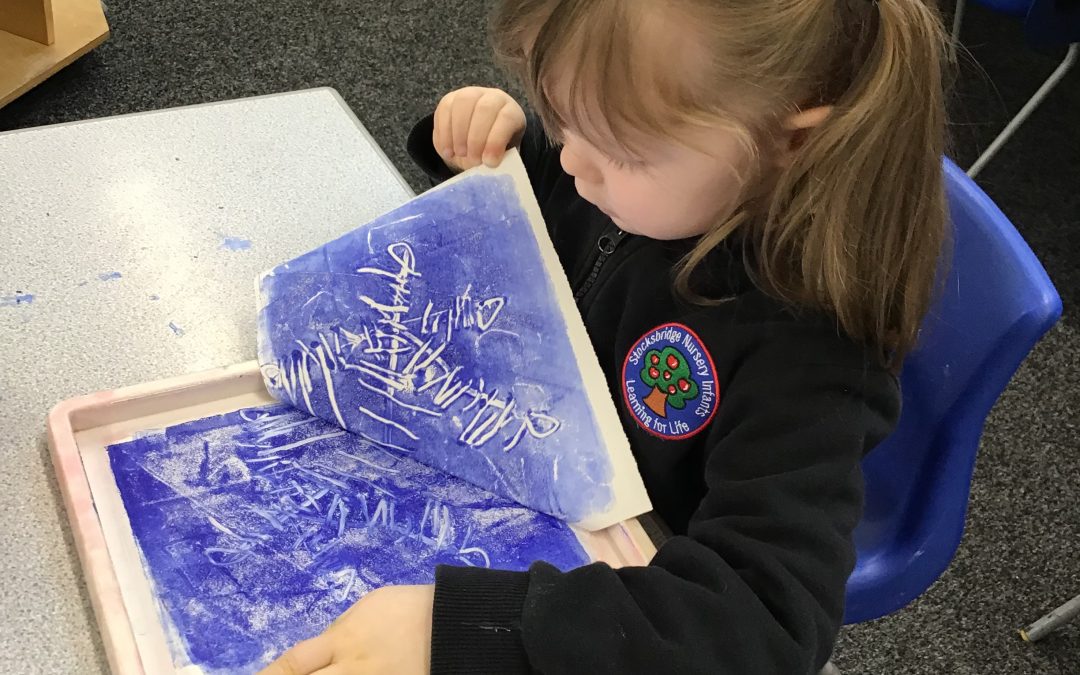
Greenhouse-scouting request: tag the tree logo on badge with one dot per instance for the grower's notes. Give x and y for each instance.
(669, 382)
(668, 373)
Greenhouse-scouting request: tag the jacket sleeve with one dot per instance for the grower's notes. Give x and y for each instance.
(540, 157)
(756, 584)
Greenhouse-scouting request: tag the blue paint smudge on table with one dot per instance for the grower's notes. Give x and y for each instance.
(109, 276)
(16, 300)
(259, 527)
(235, 243)
(177, 330)
(434, 329)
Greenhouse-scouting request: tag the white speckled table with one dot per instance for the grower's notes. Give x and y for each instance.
(128, 252)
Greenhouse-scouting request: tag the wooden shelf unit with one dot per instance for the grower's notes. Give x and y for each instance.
(39, 37)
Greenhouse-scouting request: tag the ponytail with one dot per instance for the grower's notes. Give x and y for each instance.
(857, 224)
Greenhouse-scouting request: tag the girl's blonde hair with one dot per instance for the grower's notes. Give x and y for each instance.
(855, 225)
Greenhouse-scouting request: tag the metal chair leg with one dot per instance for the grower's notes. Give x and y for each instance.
(957, 19)
(1055, 619)
(1025, 112)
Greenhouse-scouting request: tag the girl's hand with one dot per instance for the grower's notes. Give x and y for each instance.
(476, 125)
(386, 631)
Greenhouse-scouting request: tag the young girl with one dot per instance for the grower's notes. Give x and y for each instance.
(762, 179)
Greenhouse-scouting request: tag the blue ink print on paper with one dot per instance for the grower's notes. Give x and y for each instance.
(257, 528)
(235, 243)
(16, 300)
(435, 330)
(110, 276)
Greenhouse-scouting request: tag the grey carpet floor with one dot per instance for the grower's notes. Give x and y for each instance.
(392, 60)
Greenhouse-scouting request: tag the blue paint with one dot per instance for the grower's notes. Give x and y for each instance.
(259, 527)
(439, 318)
(154, 298)
(110, 276)
(235, 243)
(82, 283)
(17, 299)
(176, 329)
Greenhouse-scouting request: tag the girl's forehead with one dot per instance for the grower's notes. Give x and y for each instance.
(623, 90)
(639, 127)
(621, 82)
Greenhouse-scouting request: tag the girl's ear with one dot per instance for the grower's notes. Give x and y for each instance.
(808, 119)
(794, 130)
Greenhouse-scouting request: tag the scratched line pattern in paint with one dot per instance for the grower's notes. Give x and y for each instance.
(257, 528)
(434, 330)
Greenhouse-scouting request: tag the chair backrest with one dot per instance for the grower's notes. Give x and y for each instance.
(995, 303)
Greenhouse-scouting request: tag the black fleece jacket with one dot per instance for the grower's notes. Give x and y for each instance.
(757, 475)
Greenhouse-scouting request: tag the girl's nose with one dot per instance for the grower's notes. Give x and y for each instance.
(578, 166)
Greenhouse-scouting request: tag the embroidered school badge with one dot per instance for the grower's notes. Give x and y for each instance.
(669, 382)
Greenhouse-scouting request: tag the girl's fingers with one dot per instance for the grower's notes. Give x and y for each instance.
(475, 125)
(339, 669)
(461, 113)
(304, 658)
(507, 131)
(484, 117)
(443, 135)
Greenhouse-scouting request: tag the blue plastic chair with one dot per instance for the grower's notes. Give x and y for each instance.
(996, 302)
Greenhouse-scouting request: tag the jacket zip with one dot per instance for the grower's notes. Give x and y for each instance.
(607, 244)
